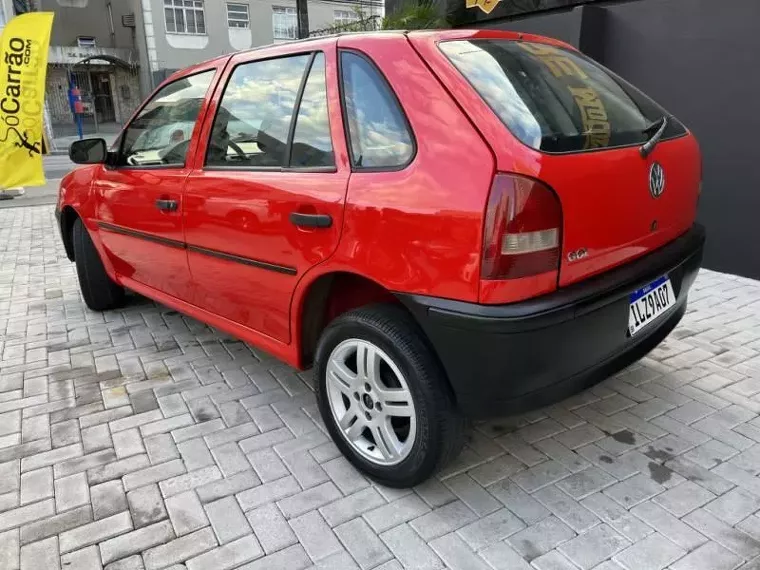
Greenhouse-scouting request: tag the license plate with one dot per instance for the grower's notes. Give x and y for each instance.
(649, 303)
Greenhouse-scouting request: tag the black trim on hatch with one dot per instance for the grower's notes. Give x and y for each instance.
(198, 249)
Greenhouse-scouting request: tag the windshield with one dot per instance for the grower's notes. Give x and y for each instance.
(555, 99)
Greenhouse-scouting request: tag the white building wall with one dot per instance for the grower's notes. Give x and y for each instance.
(171, 51)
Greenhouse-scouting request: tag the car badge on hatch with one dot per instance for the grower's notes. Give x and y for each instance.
(656, 180)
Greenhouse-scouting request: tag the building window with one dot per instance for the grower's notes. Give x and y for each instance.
(237, 16)
(185, 16)
(86, 41)
(284, 23)
(345, 17)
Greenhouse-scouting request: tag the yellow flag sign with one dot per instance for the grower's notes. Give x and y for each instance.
(24, 48)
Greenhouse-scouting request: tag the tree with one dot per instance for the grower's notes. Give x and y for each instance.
(415, 15)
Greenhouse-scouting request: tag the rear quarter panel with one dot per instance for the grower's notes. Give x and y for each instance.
(419, 229)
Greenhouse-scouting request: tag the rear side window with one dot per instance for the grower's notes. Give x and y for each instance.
(554, 99)
(378, 133)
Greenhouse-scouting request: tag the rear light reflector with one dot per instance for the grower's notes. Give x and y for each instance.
(530, 242)
(523, 228)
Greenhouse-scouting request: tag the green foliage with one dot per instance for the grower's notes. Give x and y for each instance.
(415, 15)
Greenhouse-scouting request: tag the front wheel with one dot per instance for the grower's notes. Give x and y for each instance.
(384, 398)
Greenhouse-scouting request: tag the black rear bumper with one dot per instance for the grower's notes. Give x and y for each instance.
(508, 358)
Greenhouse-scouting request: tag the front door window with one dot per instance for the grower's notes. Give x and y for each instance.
(160, 135)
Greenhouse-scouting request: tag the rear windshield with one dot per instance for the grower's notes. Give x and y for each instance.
(554, 99)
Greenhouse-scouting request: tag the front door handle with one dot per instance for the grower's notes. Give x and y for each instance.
(166, 205)
(310, 220)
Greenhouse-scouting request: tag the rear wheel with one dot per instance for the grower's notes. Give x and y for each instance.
(98, 291)
(383, 396)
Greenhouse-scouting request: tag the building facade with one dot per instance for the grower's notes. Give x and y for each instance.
(116, 51)
(92, 48)
(178, 33)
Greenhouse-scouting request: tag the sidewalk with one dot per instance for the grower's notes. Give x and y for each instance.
(61, 144)
(34, 196)
(67, 134)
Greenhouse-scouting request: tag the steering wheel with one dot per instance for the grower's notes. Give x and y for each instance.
(239, 151)
(174, 153)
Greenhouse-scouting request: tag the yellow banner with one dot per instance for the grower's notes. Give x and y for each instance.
(24, 47)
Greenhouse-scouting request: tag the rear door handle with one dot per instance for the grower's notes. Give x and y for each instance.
(310, 220)
(166, 205)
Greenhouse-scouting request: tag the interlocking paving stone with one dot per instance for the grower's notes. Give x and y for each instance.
(43, 554)
(113, 415)
(84, 559)
(95, 532)
(153, 474)
(456, 554)
(179, 549)
(271, 528)
(9, 549)
(53, 525)
(394, 513)
(352, 506)
(146, 505)
(594, 546)
(492, 528)
(503, 557)
(315, 535)
(135, 541)
(186, 513)
(231, 555)
(541, 537)
(653, 553)
(733, 539)
(28, 513)
(711, 555)
(410, 549)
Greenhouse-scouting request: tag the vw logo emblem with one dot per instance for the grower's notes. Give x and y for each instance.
(656, 180)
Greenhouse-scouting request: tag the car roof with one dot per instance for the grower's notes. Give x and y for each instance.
(430, 35)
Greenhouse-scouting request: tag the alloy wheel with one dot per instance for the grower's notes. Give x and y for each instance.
(370, 401)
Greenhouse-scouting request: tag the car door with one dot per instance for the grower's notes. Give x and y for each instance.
(266, 201)
(138, 194)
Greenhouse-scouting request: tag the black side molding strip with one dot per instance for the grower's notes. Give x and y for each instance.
(244, 260)
(148, 237)
(198, 249)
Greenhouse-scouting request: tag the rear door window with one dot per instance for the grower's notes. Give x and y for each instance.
(252, 124)
(312, 145)
(555, 99)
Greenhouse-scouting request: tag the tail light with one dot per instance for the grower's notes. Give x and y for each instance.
(523, 229)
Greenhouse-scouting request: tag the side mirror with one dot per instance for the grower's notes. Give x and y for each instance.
(88, 151)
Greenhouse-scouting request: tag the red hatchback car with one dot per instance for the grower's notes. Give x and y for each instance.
(444, 224)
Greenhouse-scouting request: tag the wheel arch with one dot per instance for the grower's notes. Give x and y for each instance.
(326, 297)
(68, 216)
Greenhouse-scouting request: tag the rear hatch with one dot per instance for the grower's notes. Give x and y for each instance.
(582, 129)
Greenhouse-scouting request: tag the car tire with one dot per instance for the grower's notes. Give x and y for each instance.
(408, 366)
(100, 293)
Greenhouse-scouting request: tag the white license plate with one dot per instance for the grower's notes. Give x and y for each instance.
(649, 303)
